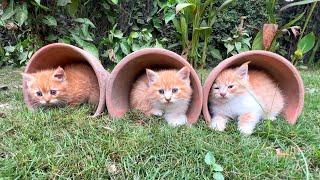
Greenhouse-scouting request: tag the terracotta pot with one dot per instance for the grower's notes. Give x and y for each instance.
(279, 68)
(59, 54)
(133, 65)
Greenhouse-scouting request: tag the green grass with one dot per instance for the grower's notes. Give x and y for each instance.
(66, 143)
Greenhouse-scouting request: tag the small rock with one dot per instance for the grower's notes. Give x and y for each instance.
(112, 169)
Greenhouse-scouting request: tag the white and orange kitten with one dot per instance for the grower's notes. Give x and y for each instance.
(72, 85)
(165, 92)
(247, 96)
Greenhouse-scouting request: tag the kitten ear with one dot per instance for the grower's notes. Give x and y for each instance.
(152, 76)
(243, 70)
(59, 74)
(184, 73)
(28, 78)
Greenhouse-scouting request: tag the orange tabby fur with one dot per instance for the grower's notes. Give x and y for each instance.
(145, 95)
(246, 95)
(74, 84)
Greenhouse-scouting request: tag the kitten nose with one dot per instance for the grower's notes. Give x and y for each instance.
(223, 94)
(168, 99)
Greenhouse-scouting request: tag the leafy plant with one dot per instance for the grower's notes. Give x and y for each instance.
(192, 14)
(118, 45)
(214, 166)
(304, 45)
(239, 41)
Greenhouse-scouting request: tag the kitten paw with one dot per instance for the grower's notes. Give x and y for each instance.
(246, 130)
(218, 123)
(157, 112)
(178, 121)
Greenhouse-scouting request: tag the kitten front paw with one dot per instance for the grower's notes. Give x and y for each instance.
(157, 112)
(246, 129)
(177, 121)
(218, 123)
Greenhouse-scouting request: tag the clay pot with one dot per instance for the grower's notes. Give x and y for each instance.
(60, 54)
(279, 68)
(133, 65)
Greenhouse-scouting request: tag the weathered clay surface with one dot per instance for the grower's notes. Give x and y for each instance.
(283, 72)
(133, 65)
(60, 54)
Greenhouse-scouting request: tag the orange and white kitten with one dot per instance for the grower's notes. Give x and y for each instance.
(74, 84)
(165, 92)
(245, 96)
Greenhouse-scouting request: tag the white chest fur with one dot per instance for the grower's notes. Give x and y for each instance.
(245, 103)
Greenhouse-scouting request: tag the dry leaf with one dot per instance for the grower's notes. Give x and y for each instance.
(280, 153)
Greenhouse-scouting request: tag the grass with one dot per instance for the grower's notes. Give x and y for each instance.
(66, 143)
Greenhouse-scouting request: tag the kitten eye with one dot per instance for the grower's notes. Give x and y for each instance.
(161, 91)
(53, 92)
(174, 90)
(39, 93)
(216, 88)
(231, 86)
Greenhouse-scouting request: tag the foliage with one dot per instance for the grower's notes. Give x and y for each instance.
(239, 41)
(304, 45)
(192, 14)
(217, 168)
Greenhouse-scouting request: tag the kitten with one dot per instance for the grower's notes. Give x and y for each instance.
(72, 85)
(247, 96)
(165, 92)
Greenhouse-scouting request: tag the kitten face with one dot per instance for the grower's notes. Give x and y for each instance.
(169, 86)
(47, 87)
(230, 83)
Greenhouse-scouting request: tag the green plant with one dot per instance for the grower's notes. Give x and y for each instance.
(214, 166)
(239, 41)
(118, 45)
(192, 14)
(305, 44)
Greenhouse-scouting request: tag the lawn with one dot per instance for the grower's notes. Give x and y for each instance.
(66, 143)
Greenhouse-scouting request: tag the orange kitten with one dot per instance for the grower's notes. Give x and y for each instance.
(165, 92)
(245, 96)
(75, 84)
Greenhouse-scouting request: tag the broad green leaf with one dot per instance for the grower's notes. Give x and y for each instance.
(216, 54)
(91, 48)
(177, 25)
(7, 15)
(135, 47)
(307, 42)
(134, 35)
(114, 1)
(169, 16)
(292, 22)
(299, 3)
(21, 14)
(158, 44)
(9, 48)
(238, 46)
(225, 5)
(247, 41)
(78, 40)
(38, 2)
(49, 20)
(51, 37)
(23, 56)
(156, 23)
(218, 176)
(181, 6)
(73, 7)
(118, 34)
(63, 2)
(209, 159)
(125, 48)
(85, 21)
(230, 48)
(64, 40)
(217, 167)
(258, 41)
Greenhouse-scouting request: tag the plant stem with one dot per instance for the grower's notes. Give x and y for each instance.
(204, 52)
(308, 19)
(195, 36)
(315, 49)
